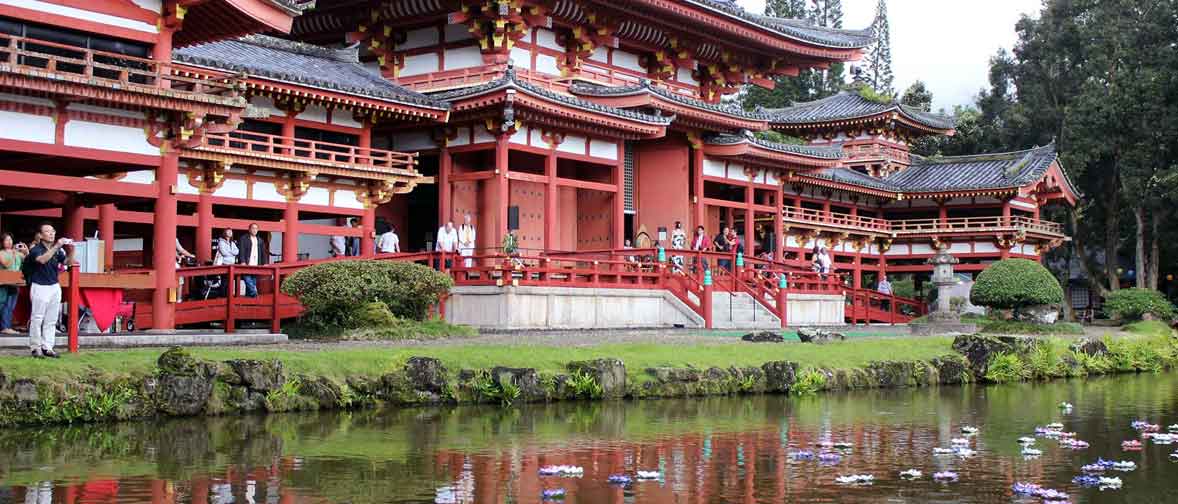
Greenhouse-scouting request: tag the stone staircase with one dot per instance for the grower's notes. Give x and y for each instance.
(738, 310)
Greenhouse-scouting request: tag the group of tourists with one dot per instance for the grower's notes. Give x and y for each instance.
(457, 240)
(39, 263)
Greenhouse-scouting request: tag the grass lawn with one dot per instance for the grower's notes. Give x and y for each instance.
(374, 361)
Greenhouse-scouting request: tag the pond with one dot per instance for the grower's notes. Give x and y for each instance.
(709, 450)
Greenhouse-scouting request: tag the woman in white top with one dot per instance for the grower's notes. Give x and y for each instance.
(226, 249)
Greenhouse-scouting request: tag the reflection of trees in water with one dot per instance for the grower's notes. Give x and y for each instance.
(711, 448)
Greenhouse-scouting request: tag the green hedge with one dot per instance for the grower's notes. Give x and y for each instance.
(343, 293)
(1133, 304)
(1014, 284)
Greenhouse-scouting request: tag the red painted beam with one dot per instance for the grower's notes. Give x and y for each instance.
(42, 182)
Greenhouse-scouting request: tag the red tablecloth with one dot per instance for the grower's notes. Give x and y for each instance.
(104, 305)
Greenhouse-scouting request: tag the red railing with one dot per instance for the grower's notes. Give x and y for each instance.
(302, 150)
(866, 306)
(33, 56)
(918, 226)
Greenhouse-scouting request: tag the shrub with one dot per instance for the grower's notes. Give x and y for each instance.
(809, 382)
(1133, 304)
(333, 293)
(1006, 368)
(1014, 284)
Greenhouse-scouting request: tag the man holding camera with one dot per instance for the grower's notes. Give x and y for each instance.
(48, 259)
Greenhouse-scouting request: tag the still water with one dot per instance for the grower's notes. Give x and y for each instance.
(711, 450)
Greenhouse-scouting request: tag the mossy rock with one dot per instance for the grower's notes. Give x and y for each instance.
(952, 369)
(324, 391)
(779, 375)
(979, 349)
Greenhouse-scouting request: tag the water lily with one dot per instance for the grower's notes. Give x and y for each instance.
(1021, 488)
(945, 476)
(648, 475)
(969, 429)
(942, 451)
(964, 452)
(1056, 501)
(620, 479)
(1125, 465)
(829, 458)
(1031, 452)
(1085, 480)
(1173, 428)
(959, 441)
(1092, 468)
(1164, 439)
(552, 494)
(562, 470)
(856, 479)
(1138, 424)
(911, 474)
(1026, 440)
(1067, 435)
(1051, 494)
(1174, 456)
(1065, 405)
(1131, 445)
(1074, 444)
(1056, 426)
(802, 455)
(1110, 483)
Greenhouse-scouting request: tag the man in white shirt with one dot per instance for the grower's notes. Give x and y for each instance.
(447, 241)
(466, 235)
(389, 243)
(339, 246)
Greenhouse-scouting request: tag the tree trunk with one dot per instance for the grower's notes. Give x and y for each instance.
(1154, 250)
(1078, 245)
(1139, 279)
(1111, 237)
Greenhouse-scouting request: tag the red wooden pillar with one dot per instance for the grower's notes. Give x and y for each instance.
(204, 227)
(161, 52)
(290, 230)
(778, 228)
(858, 267)
(364, 140)
(106, 232)
(367, 228)
(942, 212)
(445, 192)
(163, 312)
(619, 213)
(826, 210)
(288, 129)
(1006, 212)
(551, 232)
(697, 184)
(750, 248)
(74, 226)
(502, 197)
(1035, 212)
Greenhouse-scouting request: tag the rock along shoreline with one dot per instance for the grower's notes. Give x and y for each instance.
(182, 385)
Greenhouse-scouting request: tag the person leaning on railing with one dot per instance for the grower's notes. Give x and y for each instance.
(884, 287)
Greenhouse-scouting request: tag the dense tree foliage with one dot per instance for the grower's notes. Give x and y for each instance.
(809, 84)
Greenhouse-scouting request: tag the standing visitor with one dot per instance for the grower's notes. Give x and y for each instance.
(466, 236)
(339, 246)
(884, 287)
(822, 260)
(227, 250)
(720, 243)
(46, 260)
(252, 251)
(389, 243)
(11, 258)
(701, 243)
(447, 241)
(353, 248)
(678, 242)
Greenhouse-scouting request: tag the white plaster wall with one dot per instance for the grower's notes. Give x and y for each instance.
(413, 141)
(683, 74)
(627, 60)
(346, 198)
(603, 149)
(546, 64)
(536, 137)
(231, 188)
(184, 187)
(547, 38)
(520, 136)
(815, 309)
(343, 117)
(266, 104)
(960, 248)
(27, 127)
(463, 57)
(1022, 204)
(985, 246)
(421, 37)
(315, 245)
(918, 248)
(456, 32)
(521, 58)
(600, 54)
(140, 177)
(714, 168)
(108, 137)
(573, 143)
(417, 64)
(265, 191)
(85, 15)
(316, 196)
(314, 113)
(481, 135)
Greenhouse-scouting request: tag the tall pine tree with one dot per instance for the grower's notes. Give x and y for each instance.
(878, 73)
(827, 13)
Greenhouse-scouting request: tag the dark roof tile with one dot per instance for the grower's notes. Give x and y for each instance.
(803, 150)
(645, 86)
(850, 105)
(981, 171)
(797, 29)
(301, 64)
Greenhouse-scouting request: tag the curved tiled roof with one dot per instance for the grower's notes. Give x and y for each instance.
(301, 64)
(802, 150)
(508, 81)
(981, 171)
(645, 86)
(848, 176)
(797, 29)
(850, 105)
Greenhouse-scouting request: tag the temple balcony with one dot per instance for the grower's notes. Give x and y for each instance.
(61, 70)
(834, 221)
(297, 154)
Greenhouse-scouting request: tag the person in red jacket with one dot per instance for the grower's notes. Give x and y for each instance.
(701, 243)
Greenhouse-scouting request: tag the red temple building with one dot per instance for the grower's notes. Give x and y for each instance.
(578, 124)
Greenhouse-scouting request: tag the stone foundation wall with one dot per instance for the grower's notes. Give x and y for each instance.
(511, 307)
(185, 386)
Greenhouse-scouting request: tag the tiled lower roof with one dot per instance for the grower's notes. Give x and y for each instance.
(982, 171)
(850, 105)
(797, 29)
(646, 86)
(302, 64)
(509, 81)
(803, 150)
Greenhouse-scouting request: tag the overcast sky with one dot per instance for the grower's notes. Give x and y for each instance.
(945, 43)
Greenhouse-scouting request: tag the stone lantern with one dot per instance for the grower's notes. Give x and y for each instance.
(943, 320)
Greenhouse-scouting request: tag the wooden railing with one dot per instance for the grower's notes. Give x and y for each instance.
(916, 226)
(867, 306)
(251, 143)
(450, 79)
(23, 54)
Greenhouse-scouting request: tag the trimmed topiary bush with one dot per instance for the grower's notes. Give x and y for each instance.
(1134, 304)
(1014, 284)
(338, 293)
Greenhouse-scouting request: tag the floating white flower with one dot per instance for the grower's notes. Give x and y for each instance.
(911, 474)
(562, 470)
(648, 475)
(959, 441)
(1110, 483)
(964, 452)
(1065, 405)
(1125, 465)
(1026, 440)
(942, 451)
(855, 479)
(1031, 452)
(969, 429)
(1055, 426)
(945, 476)
(1173, 428)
